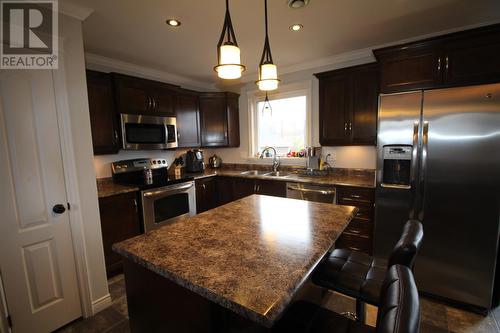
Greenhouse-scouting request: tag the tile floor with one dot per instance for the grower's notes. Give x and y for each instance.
(435, 317)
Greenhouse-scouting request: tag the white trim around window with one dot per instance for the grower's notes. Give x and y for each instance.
(285, 91)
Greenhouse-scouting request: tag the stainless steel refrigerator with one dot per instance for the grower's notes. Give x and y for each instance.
(439, 162)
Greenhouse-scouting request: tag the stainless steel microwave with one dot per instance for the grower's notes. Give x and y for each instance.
(141, 132)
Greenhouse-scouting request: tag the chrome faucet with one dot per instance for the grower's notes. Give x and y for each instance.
(276, 158)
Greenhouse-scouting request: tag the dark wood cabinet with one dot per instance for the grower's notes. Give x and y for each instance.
(206, 194)
(219, 114)
(119, 221)
(243, 187)
(103, 119)
(363, 118)
(411, 69)
(334, 106)
(348, 106)
(461, 58)
(188, 119)
(203, 119)
(140, 96)
(224, 190)
(271, 187)
(358, 235)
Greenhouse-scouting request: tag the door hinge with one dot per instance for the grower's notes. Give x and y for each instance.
(69, 206)
(9, 321)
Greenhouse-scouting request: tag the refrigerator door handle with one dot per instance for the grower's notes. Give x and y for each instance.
(413, 168)
(423, 169)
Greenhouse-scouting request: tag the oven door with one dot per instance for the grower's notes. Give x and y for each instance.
(148, 132)
(164, 205)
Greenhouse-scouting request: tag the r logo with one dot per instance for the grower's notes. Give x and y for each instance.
(29, 29)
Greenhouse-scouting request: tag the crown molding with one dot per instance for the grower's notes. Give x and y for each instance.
(76, 11)
(356, 57)
(102, 63)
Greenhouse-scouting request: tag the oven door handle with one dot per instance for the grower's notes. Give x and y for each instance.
(165, 190)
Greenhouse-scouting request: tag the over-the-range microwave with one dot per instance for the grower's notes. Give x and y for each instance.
(143, 132)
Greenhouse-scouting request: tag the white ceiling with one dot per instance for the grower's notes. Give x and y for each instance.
(135, 31)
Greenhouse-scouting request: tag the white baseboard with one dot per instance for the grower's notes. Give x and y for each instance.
(101, 304)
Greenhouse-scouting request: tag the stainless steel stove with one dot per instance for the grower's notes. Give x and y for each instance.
(163, 198)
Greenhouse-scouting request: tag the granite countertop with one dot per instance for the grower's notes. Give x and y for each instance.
(250, 256)
(346, 177)
(341, 177)
(106, 188)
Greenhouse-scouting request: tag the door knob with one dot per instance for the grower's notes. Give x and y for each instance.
(59, 209)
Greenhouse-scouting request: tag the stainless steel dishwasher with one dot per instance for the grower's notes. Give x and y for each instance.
(311, 192)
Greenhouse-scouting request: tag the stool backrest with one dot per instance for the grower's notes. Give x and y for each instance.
(399, 309)
(405, 251)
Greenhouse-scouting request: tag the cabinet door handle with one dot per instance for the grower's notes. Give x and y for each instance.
(439, 64)
(116, 136)
(345, 126)
(447, 63)
(148, 103)
(204, 186)
(350, 126)
(155, 104)
(136, 206)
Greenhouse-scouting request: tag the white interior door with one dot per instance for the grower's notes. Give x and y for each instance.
(36, 253)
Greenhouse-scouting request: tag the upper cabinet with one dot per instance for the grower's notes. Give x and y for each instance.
(139, 96)
(103, 120)
(203, 119)
(457, 59)
(219, 114)
(348, 106)
(188, 119)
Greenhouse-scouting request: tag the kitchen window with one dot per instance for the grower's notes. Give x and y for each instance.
(284, 127)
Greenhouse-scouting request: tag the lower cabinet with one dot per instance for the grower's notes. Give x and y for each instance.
(216, 191)
(358, 236)
(243, 187)
(271, 187)
(119, 221)
(206, 194)
(224, 190)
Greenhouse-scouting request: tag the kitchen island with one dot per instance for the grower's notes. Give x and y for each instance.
(247, 259)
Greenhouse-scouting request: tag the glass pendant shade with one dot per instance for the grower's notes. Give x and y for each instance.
(230, 64)
(228, 53)
(268, 77)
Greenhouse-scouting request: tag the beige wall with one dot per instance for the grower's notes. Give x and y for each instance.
(76, 87)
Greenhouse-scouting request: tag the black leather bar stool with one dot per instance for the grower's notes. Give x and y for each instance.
(360, 276)
(399, 311)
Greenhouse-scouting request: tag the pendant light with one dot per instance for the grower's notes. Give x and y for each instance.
(267, 109)
(268, 72)
(228, 53)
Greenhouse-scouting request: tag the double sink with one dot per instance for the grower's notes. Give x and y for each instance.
(280, 174)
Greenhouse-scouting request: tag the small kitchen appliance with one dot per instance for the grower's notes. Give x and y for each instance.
(162, 198)
(215, 162)
(195, 161)
(141, 132)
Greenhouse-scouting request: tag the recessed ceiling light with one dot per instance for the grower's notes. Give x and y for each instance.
(296, 27)
(173, 22)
